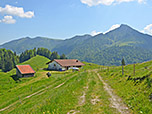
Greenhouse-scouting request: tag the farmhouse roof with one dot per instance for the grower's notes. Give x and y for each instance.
(68, 62)
(25, 69)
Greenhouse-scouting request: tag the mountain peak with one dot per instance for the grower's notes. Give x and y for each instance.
(126, 27)
(80, 36)
(122, 28)
(85, 35)
(26, 37)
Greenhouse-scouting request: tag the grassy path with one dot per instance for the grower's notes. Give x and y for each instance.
(93, 99)
(115, 100)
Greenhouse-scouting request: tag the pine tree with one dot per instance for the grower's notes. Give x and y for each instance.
(54, 55)
(123, 62)
(63, 56)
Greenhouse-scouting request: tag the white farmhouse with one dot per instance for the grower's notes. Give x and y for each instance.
(63, 64)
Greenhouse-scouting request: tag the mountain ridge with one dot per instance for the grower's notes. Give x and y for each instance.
(90, 48)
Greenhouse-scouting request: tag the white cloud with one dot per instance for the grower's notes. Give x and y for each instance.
(148, 29)
(97, 2)
(141, 1)
(107, 2)
(142, 31)
(119, 1)
(93, 33)
(112, 28)
(16, 11)
(8, 20)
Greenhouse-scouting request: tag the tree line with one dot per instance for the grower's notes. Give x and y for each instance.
(9, 59)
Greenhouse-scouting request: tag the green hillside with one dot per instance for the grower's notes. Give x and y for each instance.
(8, 81)
(82, 92)
(113, 55)
(63, 92)
(37, 62)
(136, 90)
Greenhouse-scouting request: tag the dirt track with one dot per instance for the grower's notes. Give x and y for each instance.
(115, 100)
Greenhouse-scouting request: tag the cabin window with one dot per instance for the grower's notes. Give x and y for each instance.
(54, 65)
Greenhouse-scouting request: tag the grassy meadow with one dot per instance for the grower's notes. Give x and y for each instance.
(79, 92)
(134, 88)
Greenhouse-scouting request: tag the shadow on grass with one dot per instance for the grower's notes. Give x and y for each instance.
(46, 69)
(16, 78)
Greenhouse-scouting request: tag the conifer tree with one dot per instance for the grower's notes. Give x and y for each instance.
(63, 56)
(123, 62)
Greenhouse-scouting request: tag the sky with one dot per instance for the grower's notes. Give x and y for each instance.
(62, 19)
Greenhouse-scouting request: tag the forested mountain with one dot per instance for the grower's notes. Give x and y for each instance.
(27, 43)
(69, 44)
(108, 49)
(125, 35)
(113, 55)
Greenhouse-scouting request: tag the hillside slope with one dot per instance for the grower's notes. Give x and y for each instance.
(86, 91)
(135, 89)
(113, 55)
(6, 79)
(64, 92)
(37, 62)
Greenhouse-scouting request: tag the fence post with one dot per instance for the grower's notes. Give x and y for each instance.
(20, 100)
(122, 70)
(134, 69)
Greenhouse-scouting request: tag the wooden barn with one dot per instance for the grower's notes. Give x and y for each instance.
(64, 64)
(24, 71)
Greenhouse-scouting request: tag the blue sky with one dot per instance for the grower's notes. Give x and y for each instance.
(62, 19)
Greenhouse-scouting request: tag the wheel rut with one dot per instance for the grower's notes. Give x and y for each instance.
(115, 100)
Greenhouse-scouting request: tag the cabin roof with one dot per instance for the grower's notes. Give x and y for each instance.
(68, 62)
(25, 69)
